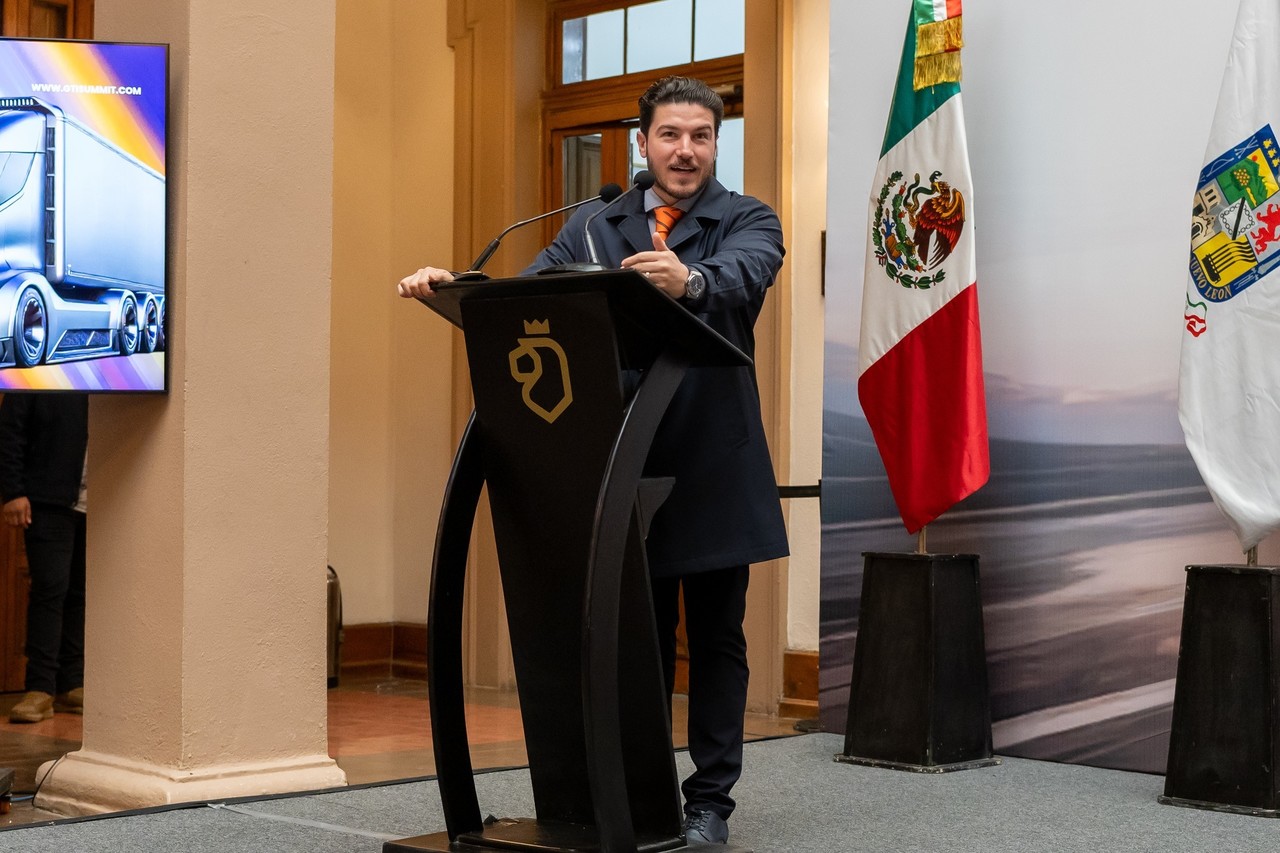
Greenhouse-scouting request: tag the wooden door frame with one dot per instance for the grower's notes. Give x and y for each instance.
(499, 146)
(16, 17)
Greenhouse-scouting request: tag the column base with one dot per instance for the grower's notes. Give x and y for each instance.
(87, 783)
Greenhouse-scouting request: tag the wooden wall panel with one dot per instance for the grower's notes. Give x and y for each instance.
(14, 585)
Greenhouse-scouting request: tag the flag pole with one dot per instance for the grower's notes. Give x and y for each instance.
(920, 538)
(1251, 556)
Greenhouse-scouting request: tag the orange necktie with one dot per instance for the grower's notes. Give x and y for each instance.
(666, 217)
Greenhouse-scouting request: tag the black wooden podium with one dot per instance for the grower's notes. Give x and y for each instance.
(571, 375)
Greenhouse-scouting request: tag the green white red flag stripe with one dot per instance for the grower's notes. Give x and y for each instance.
(920, 357)
(1229, 390)
(936, 10)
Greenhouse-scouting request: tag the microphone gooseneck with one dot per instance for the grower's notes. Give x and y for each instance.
(642, 181)
(609, 193)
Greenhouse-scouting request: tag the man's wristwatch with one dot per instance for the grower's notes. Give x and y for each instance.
(695, 285)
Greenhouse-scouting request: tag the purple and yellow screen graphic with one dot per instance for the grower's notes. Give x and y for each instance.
(116, 90)
(108, 101)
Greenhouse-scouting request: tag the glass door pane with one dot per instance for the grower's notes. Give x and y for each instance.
(581, 165)
(731, 154)
(593, 47)
(659, 34)
(589, 158)
(719, 29)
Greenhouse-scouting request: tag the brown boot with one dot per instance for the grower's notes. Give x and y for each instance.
(33, 708)
(71, 702)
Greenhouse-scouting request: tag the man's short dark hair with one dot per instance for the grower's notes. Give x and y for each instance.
(679, 90)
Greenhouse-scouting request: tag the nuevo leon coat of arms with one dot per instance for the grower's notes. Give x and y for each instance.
(1235, 221)
(918, 229)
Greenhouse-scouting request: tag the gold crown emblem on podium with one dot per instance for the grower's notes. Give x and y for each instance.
(537, 327)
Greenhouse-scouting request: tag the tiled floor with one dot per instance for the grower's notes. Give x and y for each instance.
(379, 730)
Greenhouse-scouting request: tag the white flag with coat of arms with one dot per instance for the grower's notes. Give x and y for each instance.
(1229, 396)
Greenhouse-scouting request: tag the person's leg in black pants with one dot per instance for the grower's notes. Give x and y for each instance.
(71, 651)
(51, 552)
(715, 604)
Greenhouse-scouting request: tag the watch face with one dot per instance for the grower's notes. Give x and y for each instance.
(695, 285)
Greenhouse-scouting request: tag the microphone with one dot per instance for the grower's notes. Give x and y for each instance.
(642, 181)
(609, 193)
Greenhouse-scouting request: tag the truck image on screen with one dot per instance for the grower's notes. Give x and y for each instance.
(81, 241)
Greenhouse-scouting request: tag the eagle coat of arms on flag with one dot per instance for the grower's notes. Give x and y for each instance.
(919, 230)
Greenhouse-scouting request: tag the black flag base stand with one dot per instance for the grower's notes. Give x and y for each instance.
(529, 835)
(917, 768)
(918, 698)
(1225, 738)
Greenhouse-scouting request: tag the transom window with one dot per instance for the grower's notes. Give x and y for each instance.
(601, 55)
(645, 36)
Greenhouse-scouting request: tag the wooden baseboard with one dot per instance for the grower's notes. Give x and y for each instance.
(409, 651)
(390, 649)
(399, 650)
(799, 685)
(798, 709)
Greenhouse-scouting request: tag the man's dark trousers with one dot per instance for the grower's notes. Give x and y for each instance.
(715, 603)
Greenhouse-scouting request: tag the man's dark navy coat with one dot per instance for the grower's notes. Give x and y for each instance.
(724, 510)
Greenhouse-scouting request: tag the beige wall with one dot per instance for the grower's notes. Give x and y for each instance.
(804, 211)
(300, 403)
(390, 395)
(205, 654)
(395, 409)
(763, 102)
(498, 49)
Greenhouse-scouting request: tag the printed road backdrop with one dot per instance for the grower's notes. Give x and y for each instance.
(1087, 125)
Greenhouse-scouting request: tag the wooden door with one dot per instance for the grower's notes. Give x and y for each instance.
(14, 584)
(582, 160)
(71, 19)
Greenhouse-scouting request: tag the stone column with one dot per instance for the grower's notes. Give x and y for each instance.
(205, 636)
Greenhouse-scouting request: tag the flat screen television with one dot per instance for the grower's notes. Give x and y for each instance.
(83, 201)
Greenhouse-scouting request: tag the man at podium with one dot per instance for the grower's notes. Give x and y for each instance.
(717, 253)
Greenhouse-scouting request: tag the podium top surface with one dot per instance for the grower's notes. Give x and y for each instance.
(645, 317)
(916, 556)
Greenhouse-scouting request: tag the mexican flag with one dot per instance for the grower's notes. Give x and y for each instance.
(920, 358)
(1229, 396)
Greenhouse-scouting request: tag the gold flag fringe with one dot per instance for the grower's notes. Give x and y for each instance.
(935, 69)
(940, 36)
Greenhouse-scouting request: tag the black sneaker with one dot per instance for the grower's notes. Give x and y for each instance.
(703, 827)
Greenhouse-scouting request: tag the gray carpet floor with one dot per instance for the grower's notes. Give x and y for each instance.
(793, 798)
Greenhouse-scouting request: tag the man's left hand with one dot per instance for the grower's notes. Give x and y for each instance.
(661, 266)
(17, 513)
